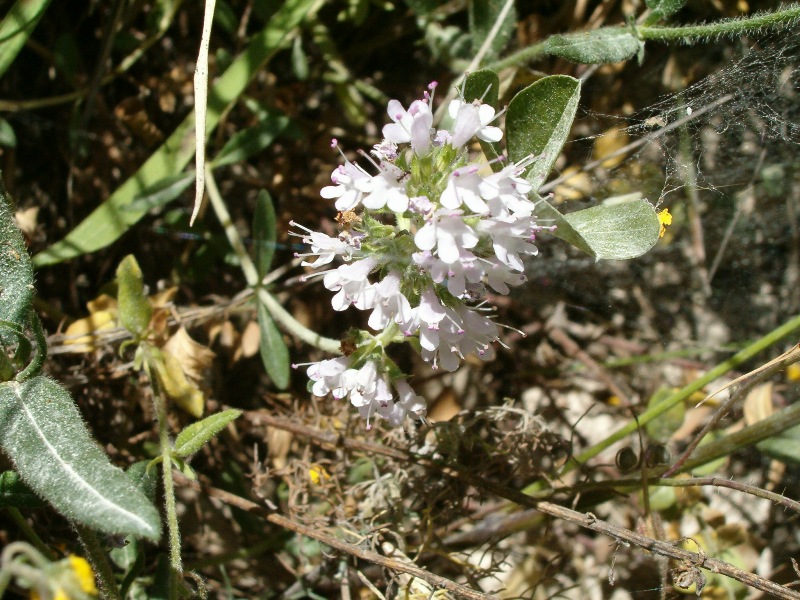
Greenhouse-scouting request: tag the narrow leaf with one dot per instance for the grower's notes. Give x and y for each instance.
(483, 14)
(135, 309)
(16, 273)
(14, 492)
(265, 233)
(538, 123)
(484, 85)
(44, 435)
(662, 9)
(617, 231)
(161, 193)
(252, 140)
(16, 27)
(274, 353)
(196, 435)
(109, 221)
(598, 46)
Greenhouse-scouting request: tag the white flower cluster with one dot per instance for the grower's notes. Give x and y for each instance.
(433, 232)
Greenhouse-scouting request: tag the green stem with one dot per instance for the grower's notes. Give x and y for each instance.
(276, 311)
(529, 54)
(98, 558)
(30, 533)
(294, 327)
(165, 445)
(690, 34)
(680, 396)
(218, 204)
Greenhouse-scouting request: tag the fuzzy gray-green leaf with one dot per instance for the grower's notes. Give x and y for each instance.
(598, 46)
(42, 432)
(538, 123)
(16, 273)
(617, 230)
(195, 436)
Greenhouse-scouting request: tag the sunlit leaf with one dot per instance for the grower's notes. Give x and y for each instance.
(16, 27)
(617, 230)
(44, 435)
(597, 46)
(134, 308)
(196, 435)
(538, 122)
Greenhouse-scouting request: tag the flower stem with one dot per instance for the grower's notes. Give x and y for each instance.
(276, 311)
(218, 204)
(293, 326)
(98, 558)
(29, 533)
(701, 33)
(165, 446)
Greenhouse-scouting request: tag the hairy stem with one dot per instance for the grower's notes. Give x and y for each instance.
(165, 446)
(98, 558)
(693, 34)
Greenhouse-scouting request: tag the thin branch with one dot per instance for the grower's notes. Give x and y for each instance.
(333, 542)
(749, 381)
(587, 520)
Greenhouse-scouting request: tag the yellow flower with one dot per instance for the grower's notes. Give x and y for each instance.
(75, 573)
(664, 219)
(317, 474)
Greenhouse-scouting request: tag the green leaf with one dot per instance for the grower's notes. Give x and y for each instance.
(547, 214)
(109, 221)
(42, 432)
(196, 435)
(785, 446)
(482, 17)
(16, 273)
(14, 492)
(161, 193)
(8, 138)
(538, 123)
(617, 230)
(484, 85)
(662, 9)
(252, 140)
(274, 353)
(265, 233)
(16, 27)
(299, 59)
(662, 428)
(135, 309)
(598, 46)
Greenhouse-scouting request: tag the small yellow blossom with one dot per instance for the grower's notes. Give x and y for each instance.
(76, 572)
(664, 219)
(317, 474)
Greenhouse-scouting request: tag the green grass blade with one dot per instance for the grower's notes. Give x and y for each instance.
(16, 27)
(111, 219)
